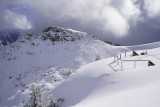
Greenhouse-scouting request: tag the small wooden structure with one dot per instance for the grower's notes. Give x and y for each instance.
(144, 53)
(135, 53)
(150, 63)
(118, 57)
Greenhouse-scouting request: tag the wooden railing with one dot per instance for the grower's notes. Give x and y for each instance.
(119, 57)
(150, 63)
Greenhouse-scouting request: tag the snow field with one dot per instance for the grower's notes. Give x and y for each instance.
(98, 84)
(68, 70)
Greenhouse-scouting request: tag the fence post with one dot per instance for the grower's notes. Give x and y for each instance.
(117, 62)
(125, 53)
(120, 56)
(114, 57)
(134, 64)
(121, 64)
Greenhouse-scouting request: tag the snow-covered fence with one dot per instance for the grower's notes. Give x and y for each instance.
(118, 57)
(150, 63)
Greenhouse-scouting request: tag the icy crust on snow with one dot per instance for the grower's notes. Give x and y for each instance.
(48, 59)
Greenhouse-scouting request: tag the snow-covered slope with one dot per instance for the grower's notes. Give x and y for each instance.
(106, 84)
(48, 58)
(65, 63)
(145, 46)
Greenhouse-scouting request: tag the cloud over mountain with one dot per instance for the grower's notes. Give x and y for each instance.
(117, 20)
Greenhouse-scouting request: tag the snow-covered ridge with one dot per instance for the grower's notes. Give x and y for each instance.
(61, 34)
(49, 58)
(62, 30)
(66, 64)
(145, 46)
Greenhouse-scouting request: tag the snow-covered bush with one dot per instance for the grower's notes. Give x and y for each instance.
(35, 99)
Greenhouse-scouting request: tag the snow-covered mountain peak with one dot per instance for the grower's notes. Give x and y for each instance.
(62, 30)
(61, 34)
(56, 34)
(64, 63)
(49, 58)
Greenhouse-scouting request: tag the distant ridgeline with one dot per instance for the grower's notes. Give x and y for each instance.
(8, 36)
(110, 43)
(61, 34)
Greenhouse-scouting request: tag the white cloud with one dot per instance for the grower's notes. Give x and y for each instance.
(15, 20)
(105, 18)
(152, 8)
(113, 16)
(114, 22)
(131, 11)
